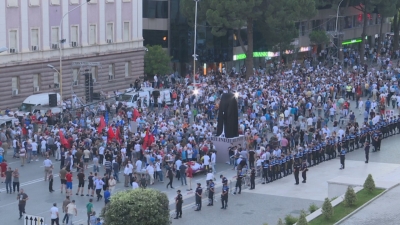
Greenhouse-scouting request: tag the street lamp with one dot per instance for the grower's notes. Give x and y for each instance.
(61, 42)
(336, 29)
(195, 43)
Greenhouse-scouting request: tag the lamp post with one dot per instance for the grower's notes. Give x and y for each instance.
(195, 44)
(336, 28)
(60, 48)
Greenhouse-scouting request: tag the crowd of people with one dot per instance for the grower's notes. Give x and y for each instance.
(291, 119)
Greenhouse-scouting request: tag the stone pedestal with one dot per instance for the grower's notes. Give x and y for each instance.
(222, 145)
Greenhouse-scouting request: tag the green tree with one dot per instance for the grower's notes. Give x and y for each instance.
(319, 37)
(312, 208)
(302, 219)
(156, 61)
(290, 220)
(224, 15)
(280, 222)
(369, 183)
(350, 198)
(140, 206)
(386, 8)
(327, 209)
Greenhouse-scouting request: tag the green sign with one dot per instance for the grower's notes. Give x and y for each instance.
(353, 41)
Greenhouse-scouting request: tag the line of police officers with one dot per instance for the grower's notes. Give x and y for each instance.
(311, 155)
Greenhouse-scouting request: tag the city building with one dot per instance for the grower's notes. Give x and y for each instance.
(164, 24)
(102, 38)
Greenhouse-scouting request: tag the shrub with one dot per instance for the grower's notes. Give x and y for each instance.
(369, 184)
(350, 197)
(302, 219)
(280, 222)
(333, 198)
(327, 209)
(141, 206)
(290, 220)
(313, 207)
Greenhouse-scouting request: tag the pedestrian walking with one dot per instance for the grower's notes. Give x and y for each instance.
(22, 198)
(111, 184)
(89, 209)
(90, 184)
(238, 185)
(51, 178)
(99, 185)
(8, 180)
(71, 211)
(107, 196)
(22, 155)
(64, 208)
(199, 192)
(81, 182)
(68, 178)
(178, 204)
(15, 180)
(211, 190)
(62, 174)
(170, 175)
(48, 166)
(342, 158)
(366, 149)
(54, 215)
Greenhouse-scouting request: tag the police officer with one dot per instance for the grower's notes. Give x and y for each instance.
(199, 192)
(211, 190)
(352, 140)
(224, 180)
(342, 158)
(239, 179)
(375, 141)
(278, 168)
(271, 170)
(322, 151)
(357, 138)
(283, 165)
(289, 159)
(317, 151)
(366, 149)
(224, 196)
(296, 168)
(253, 179)
(304, 170)
(178, 203)
(265, 171)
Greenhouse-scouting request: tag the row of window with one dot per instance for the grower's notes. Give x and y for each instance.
(37, 78)
(15, 3)
(73, 39)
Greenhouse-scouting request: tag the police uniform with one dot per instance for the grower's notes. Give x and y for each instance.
(224, 196)
(271, 170)
(289, 160)
(314, 155)
(317, 153)
(352, 139)
(211, 191)
(199, 191)
(322, 151)
(178, 202)
(239, 179)
(265, 171)
(284, 165)
(304, 171)
(357, 139)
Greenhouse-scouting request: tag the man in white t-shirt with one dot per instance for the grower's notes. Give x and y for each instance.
(34, 150)
(54, 216)
(206, 162)
(150, 172)
(213, 161)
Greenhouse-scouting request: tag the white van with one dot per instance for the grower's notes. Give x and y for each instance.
(36, 100)
(130, 97)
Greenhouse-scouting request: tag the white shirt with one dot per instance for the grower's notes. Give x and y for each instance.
(138, 164)
(135, 185)
(210, 176)
(34, 146)
(47, 163)
(150, 170)
(178, 163)
(213, 157)
(206, 160)
(53, 212)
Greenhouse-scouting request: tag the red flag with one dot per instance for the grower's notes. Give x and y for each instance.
(136, 114)
(64, 142)
(146, 140)
(102, 124)
(118, 135)
(110, 135)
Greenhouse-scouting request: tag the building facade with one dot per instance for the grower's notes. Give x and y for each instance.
(107, 32)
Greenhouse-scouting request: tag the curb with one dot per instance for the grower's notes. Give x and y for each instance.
(367, 203)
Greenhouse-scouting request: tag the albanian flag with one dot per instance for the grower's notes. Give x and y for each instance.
(148, 139)
(102, 124)
(110, 135)
(136, 114)
(64, 142)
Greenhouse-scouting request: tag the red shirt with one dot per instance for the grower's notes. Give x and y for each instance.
(3, 166)
(68, 177)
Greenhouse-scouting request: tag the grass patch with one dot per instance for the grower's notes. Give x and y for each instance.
(341, 211)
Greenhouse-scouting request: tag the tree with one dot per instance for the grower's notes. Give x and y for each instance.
(350, 198)
(386, 8)
(369, 184)
(156, 61)
(140, 206)
(319, 37)
(224, 15)
(280, 17)
(327, 209)
(302, 219)
(280, 222)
